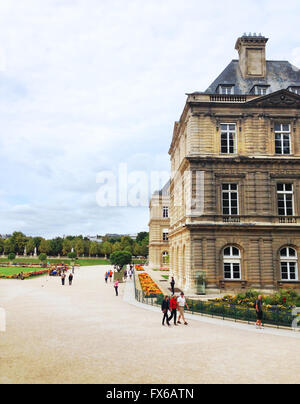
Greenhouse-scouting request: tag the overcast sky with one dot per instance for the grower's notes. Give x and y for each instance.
(88, 84)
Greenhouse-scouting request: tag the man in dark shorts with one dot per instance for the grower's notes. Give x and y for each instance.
(259, 312)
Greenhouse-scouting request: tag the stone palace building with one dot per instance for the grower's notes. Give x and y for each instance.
(234, 195)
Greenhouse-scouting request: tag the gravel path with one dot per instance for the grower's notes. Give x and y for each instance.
(85, 334)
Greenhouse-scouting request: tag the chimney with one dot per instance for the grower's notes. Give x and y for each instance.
(252, 52)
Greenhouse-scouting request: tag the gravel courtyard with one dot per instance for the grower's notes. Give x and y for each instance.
(85, 334)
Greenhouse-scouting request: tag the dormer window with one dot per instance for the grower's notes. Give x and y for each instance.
(295, 89)
(260, 90)
(226, 89)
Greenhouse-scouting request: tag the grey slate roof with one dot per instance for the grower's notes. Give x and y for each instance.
(165, 191)
(280, 75)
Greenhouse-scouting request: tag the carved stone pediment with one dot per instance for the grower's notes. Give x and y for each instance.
(282, 99)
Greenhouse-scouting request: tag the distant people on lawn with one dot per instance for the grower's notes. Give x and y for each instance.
(173, 286)
(259, 312)
(181, 306)
(173, 309)
(117, 287)
(165, 307)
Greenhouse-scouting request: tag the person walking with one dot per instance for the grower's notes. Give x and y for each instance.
(106, 277)
(70, 279)
(181, 306)
(63, 278)
(117, 287)
(173, 286)
(165, 307)
(73, 269)
(125, 274)
(110, 275)
(173, 309)
(259, 312)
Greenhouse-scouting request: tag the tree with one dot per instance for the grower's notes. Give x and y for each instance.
(1, 246)
(106, 248)
(11, 256)
(67, 247)
(19, 240)
(93, 251)
(43, 258)
(56, 246)
(30, 246)
(121, 258)
(79, 247)
(45, 247)
(9, 246)
(72, 255)
(141, 236)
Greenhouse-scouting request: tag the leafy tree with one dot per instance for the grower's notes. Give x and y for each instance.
(1, 246)
(93, 251)
(67, 247)
(43, 257)
(79, 248)
(37, 241)
(9, 246)
(106, 248)
(56, 246)
(11, 256)
(30, 246)
(45, 247)
(141, 236)
(72, 255)
(19, 240)
(120, 258)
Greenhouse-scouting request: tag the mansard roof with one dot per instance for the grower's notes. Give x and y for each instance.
(280, 75)
(165, 191)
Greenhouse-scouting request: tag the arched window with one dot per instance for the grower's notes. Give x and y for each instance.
(165, 257)
(289, 264)
(232, 263)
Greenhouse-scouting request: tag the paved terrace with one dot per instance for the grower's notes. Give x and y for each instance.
(85, 334)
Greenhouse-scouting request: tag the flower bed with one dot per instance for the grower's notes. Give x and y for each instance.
(149, 287)
(139, 268)
(25, 275)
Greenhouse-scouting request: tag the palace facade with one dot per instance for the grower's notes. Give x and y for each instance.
(235, 182)
(159, 229)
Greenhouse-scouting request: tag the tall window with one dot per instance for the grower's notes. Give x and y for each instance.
(289, 264)
(282, 139)
(165, 257)
(165, 212)
(285, 195)
(228, 138)
(232, 263)
(230, 199)
(165, 235)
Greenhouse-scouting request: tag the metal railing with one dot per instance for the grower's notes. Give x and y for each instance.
(272, 317)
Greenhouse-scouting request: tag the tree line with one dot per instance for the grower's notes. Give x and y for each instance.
(18, 243)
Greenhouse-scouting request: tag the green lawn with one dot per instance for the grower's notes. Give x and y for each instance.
(15, 271)
(81, 261)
